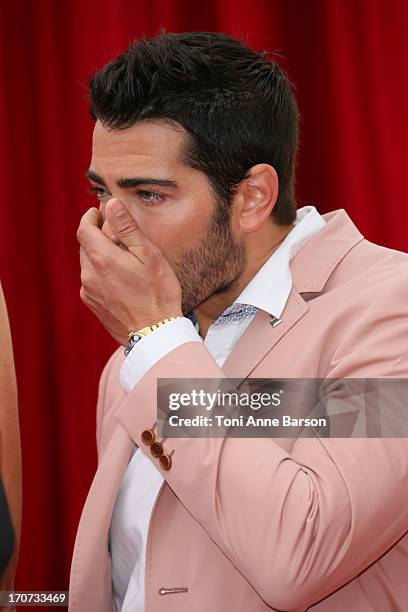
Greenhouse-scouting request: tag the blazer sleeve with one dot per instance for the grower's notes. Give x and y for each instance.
(105, 396)
(298, 525)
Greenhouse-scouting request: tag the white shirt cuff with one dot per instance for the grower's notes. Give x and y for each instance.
(151, 348)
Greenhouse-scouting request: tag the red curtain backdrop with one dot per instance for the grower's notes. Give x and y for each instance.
(348, 59)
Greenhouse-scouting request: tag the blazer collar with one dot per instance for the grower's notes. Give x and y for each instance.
(313, 265)
(311, 268)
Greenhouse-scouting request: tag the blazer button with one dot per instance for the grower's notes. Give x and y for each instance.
(165, 461)
(156, 449)
(148, 436)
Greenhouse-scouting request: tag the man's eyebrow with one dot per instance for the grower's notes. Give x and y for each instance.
(126, 183)
(136, 181)
(92, 176)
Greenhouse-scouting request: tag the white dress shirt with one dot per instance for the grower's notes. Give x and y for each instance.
(268, 290)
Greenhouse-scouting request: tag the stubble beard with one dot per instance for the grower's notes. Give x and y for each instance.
(212, 267)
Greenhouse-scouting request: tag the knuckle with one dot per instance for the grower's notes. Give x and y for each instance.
(83, 295)
(80, 233)
(85, 280)
(98, 259)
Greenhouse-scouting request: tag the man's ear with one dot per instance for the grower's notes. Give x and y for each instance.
(255, 198)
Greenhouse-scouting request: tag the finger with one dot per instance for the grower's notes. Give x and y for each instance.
(102, 206)
(127, 231)
(83, 258)
(106, 229)
(86, 267)
(91, 237)
(93, 216)
(86, 264)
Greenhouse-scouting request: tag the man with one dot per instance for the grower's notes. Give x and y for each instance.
(198, 264)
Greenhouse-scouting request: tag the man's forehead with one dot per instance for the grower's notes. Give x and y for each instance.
(143, 138)
(147, 149)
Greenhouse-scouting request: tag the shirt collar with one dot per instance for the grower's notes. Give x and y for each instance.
(269, 289)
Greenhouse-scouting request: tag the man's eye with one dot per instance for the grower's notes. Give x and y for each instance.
(100, 193)
(151, 196)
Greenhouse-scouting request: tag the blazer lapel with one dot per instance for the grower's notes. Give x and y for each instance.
(261, 336)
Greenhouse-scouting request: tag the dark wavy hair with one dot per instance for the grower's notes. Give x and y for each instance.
(237, 106)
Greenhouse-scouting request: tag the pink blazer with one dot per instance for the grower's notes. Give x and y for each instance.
(270, 524)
